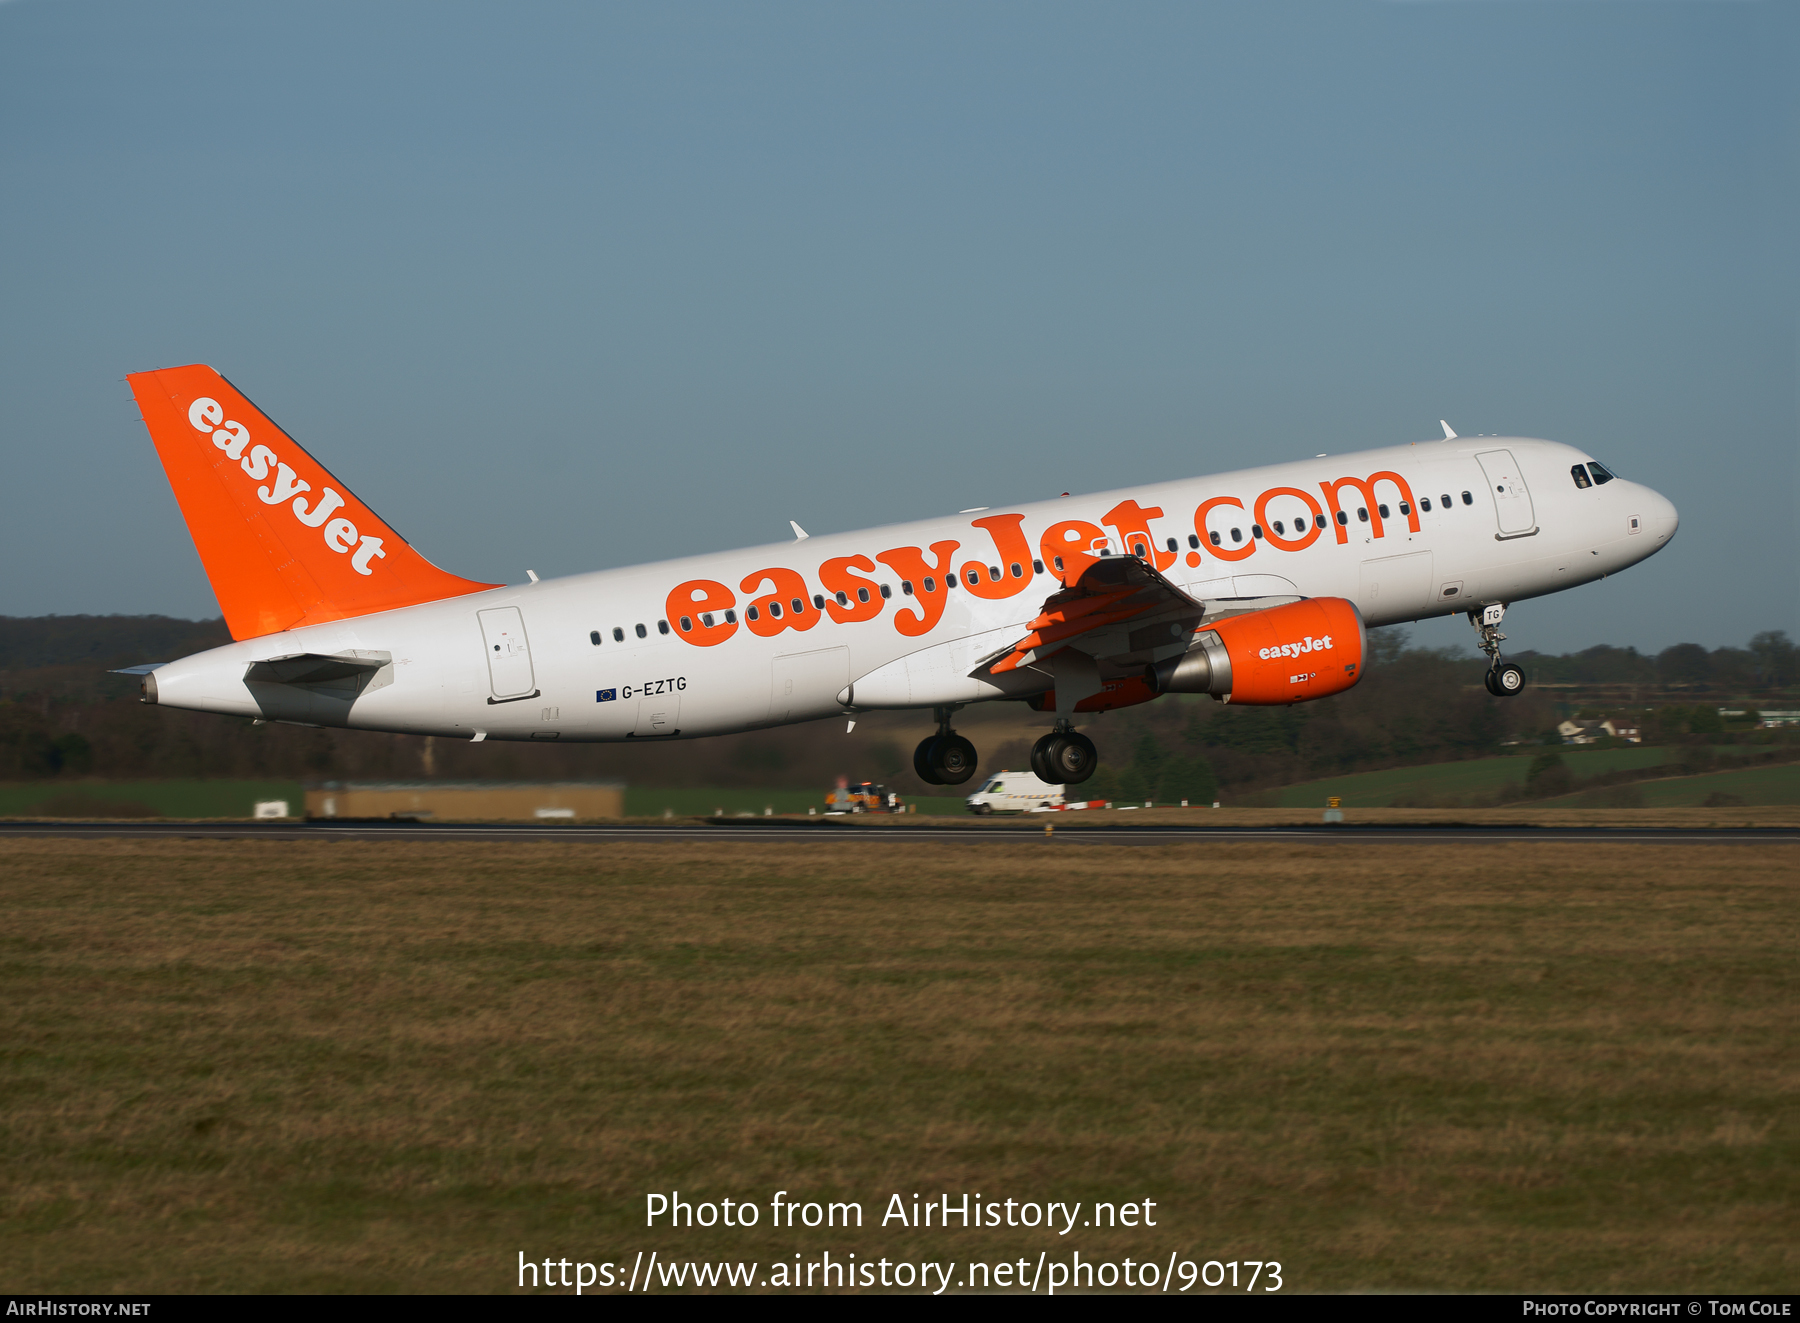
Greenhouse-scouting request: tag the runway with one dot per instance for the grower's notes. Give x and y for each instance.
(790, 833)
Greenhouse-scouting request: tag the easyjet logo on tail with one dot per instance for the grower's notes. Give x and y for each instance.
(287, 487)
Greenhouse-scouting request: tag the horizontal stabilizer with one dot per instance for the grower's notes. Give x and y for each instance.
(317, 667)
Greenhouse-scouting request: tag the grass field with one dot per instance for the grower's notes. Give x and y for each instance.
(1751, 785)
(1478, 777)
(232, 1066)
(170, 798)
(235, 799)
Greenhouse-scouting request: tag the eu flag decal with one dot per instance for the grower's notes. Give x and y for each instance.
(605, 695)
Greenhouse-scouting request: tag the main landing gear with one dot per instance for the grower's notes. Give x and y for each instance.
(1503, 679)
(1064, 756)
(945, 759)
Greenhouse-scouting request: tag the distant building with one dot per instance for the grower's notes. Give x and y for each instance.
(1772, 717)
(1586, 732)
(467, 801)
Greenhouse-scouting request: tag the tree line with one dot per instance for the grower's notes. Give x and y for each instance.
(63, 715)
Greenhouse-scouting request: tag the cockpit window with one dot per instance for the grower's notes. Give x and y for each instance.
(1600, 473)
(1579, 473)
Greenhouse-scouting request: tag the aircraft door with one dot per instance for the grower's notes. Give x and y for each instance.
(1512, 500)
(508, 654)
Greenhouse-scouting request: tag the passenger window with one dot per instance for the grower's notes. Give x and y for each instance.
(930, 584)
(1057, 560)
(843, 599)
(774, 610)
(1342, 517)
(1214, 537)
(706, 619)
(1037, 566)
(686, 624)
(1445, 498)
(994, 573)
(1384, 510)
(662, 627)
(818, 601)
(642, 632)
(1018, 570)
(1279, 530)
(862, 594)
(1405, 509)
(618, 634)
(906, 587)
(974, 576)
(1174, 545)
(1424, 504)
(1256, 530)
(1236, 536)
(1468, 499)
(886, 592)
(751, 614)
(1601, 474)
(731, 617)
(1137, 549)
(594, 637)
(1362, 513)
(799, 605)
(1193, 541)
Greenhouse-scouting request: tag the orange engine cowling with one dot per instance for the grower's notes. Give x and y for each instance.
(1286, 654)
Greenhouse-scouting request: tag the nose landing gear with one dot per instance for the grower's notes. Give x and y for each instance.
(946, 758)
(1064, 756)
(1503, 679)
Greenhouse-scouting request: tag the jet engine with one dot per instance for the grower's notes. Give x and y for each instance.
(1284, 654)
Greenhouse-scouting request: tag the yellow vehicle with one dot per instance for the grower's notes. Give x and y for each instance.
(862, 797)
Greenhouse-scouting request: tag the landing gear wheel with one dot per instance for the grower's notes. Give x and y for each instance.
(952, 760)
(1505, 680)
(1040, 759)
(922, 761)
(1072, 759)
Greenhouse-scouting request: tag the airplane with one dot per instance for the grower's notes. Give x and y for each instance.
(1255, 586)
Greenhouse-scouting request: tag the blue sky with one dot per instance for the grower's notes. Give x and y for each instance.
(574, 286)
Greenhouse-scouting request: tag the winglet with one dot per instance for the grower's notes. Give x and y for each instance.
(800, 534)
(1448, 434)
(283, 542)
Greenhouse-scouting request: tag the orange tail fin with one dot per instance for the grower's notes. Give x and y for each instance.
(283, 542)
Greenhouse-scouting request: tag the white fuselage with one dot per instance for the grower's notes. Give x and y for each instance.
(468, 667)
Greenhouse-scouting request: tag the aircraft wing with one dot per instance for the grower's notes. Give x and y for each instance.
(1122, 613)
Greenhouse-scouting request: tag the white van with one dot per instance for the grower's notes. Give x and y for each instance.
(1014, 792)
